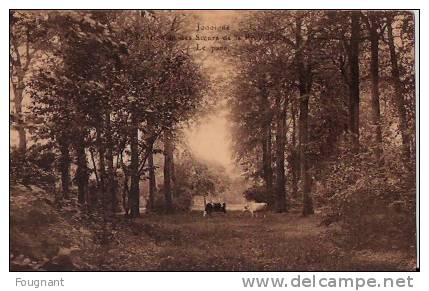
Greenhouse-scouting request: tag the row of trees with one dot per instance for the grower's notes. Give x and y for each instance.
(314, 87)
(198, 177)
(104, 87)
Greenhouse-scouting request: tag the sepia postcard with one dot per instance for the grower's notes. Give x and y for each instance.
(212, 140)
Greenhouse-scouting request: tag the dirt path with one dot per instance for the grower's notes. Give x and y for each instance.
(237, 242)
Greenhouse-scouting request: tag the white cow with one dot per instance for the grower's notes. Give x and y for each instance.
(254, 207)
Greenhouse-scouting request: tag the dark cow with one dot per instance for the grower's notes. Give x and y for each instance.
(214, 207)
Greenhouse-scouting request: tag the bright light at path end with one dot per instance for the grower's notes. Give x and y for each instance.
(209, 139)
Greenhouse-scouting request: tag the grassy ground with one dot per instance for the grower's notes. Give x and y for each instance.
(237, 242)
(46, 237)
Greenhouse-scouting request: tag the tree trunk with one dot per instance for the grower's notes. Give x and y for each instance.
(152, 180)
(375, 91)
(101, 164)
(398, 96)
(294, 157)
(64, 166)
(22, 135)
(101, 143)
(168, 159)
(354, 80)
(280, 157)
(267, 170)
(111, 177)
(304, 92)
(173, 173)
(81, 171)
(305, 176)
(126, 194)
(134, 193)
(264, 175)
(269, 166)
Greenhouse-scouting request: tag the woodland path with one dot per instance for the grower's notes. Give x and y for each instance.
(237, 242)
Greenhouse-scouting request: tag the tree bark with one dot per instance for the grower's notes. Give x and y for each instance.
(126, 193)
(111, 177)
(269, 166)
(168, 159)
(398, 95)
(375, 91)
(134, 193)
(22, 134)
(280, 157)
(354, 80)
(305, 175)
(101, 164)
(294, 156)
(267, 170)
(101, 143)
(64, 162)
(81, 171)
(20, 64)
(173, 173)
(304, 92)
(152, 180)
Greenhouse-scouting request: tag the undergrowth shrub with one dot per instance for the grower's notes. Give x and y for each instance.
(259, 194)
(33, 167)
(182, 199)
(373, 201)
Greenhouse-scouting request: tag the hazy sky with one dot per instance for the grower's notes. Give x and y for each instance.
(209, 138)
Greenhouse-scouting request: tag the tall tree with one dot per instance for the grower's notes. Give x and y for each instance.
(64, 164)
(168, 168)
(373, 23)
(152, 179)
(398, 90)
(266, 139)
(354, 79)
(280, 154)
(293, 158)
(304, 86)
(21, 54)
(82, 169)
